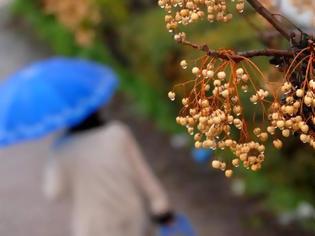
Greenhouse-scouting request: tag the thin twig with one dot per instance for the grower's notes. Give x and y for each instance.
(239, 56)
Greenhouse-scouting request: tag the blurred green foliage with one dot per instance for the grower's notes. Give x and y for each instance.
(150, 101)
(137, 45)
(115, 12)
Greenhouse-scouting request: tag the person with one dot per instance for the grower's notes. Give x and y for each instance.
(102, 170)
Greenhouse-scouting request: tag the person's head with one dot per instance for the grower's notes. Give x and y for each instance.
(94, 120)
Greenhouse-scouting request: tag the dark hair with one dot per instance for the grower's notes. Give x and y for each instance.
(94, 120)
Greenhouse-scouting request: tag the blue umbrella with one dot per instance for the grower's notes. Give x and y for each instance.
(202, 155)
(51, 95)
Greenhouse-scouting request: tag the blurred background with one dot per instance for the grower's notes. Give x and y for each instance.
(130, 36)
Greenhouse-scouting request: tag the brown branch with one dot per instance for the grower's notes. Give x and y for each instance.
(268, 52)
(239, 56)
(264, 12)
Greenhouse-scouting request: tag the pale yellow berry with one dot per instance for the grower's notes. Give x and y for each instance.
(263, 137)
(277, 143)
(216, 120)
(236, 162)
(257, 131)
(217, 83)
(204, 72)
(225, 93)
(243, 157)
(245, 77)
(239, 72)
(205, 103)
(304, 138)
(210, 74)
(304, 128)
(228, 173)
(297, 104)
(280, 124)
(216, 164)
(195, 70)
(286, 133)
(197, 137)
(223, 166)
(261, 148)
(171, 95)
(221, 75)
(254, 99)
(237, 110)
(308, 101)
(185, 101)
(300, 93)
(271, 129)
(198, 145)
(252, 159)
(288, 123)
(194, 16)
(254, 167)
(240, 7)
(184, 64)
(228, 142)
(275, 116)
(289, 109)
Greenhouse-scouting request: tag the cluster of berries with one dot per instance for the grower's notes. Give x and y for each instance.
(214, 116)
(187, 11)
(213, 113)
(80, 16)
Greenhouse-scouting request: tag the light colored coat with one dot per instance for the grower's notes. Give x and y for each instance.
(104, 174)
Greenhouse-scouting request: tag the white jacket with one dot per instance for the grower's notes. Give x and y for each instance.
(104, 174)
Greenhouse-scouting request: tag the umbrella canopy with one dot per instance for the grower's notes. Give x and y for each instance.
(51, 95)
(202, 155)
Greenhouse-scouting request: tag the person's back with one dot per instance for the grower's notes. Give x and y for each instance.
(103, 172)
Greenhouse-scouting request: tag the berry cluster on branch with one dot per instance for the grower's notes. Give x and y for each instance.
(188, 11)
(213, 112)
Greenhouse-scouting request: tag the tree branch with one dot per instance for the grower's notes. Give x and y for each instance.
(264, 12)
(239, 56)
